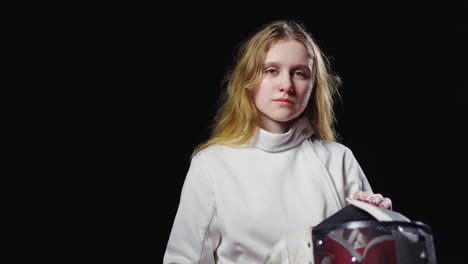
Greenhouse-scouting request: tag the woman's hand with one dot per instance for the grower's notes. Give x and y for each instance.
(373, 198)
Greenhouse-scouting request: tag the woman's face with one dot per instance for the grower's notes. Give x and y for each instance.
(284, 91)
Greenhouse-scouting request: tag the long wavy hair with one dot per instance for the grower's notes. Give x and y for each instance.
(238, 118)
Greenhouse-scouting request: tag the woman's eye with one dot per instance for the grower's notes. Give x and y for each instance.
(270, 71)
(300, 73)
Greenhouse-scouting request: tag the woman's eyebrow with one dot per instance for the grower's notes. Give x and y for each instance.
(270, 64)
(278, 64)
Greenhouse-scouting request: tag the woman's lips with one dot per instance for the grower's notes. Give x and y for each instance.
(283, 102)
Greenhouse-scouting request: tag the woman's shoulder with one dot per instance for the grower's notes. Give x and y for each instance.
(328, 151)
(210, 153)
(329, 146)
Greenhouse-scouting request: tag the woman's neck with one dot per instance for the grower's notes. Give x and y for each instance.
(276, 127)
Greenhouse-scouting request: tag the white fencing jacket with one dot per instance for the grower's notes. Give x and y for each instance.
(238, 202)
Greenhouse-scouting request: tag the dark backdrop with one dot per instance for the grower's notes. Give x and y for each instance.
(102, 106)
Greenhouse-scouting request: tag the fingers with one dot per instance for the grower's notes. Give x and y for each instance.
(362, 196)
(386, 203)
(375, 199)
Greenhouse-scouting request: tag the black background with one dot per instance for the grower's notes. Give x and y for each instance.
(102, 106)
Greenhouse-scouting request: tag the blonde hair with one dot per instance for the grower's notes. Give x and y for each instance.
(237, 118)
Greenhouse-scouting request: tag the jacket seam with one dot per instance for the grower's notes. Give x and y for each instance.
(213, 204)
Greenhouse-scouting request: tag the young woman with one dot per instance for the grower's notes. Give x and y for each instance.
(272, 165)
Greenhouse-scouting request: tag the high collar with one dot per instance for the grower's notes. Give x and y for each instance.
(272, 142)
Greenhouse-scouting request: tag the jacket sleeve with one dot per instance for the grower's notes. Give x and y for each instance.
(194, 236)
(354, 176)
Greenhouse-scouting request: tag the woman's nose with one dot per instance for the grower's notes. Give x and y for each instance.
(286, 85)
